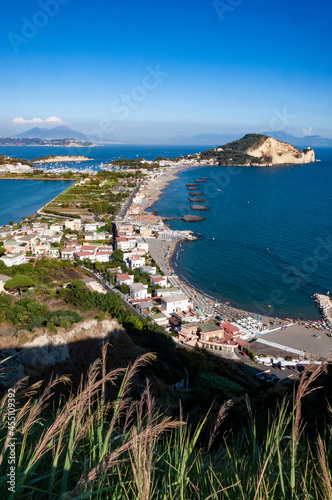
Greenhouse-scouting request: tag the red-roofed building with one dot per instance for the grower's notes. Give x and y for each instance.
(125, 244)
(230, 330)
(124, 279)
(81, 255)
(157, 279)
(136, 261)
(104, 256)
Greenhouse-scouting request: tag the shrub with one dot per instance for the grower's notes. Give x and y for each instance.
(51, 328)
(65, 324)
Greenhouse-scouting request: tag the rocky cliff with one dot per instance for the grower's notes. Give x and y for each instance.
(254, 150)
(76, 347)
(274, 152)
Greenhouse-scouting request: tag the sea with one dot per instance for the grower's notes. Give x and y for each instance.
(266, 242)
(21, 198)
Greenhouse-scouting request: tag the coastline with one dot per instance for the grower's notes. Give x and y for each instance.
(298, 330)
(166, 262)
(33, 208)
(64, 159)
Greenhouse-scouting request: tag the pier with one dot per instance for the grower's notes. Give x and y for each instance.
(324, 304)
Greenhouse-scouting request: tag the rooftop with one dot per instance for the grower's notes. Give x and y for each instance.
(123, 276)
(176, 297)
(231, 328)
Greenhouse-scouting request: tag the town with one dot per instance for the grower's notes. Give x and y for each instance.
(127, 250)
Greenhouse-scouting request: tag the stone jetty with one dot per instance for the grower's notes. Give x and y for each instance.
(191, 184)
(324, 304)
(197, 200)
(192, 188)
(192, 218)
(199, 207)
(196, 193)
(200, 180)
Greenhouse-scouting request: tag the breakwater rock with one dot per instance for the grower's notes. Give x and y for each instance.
(200, 180)
(199, 207)
(324, 304)
(192, 218)
(191, 184)
(197, 200)
(192, 188)
(196, 193)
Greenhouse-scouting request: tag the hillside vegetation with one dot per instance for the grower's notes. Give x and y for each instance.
(255, 149)
(5, 160)
(93, 446)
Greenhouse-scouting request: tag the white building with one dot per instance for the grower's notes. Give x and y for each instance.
(174, 303)
(125, 244)
(157, 279)
(90, 227)
(139, 291)
(73, 224)
(104, 256)
(13, 259)
(142, 244)
(68, 253)
(54, 252)
(124, 279)
(84, 255)
(135, 261)
(149, 269)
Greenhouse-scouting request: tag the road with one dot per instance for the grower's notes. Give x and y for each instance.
(110, 288)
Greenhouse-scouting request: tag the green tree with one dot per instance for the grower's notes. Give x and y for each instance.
(124, 288)
(118, 255)
(18, 282)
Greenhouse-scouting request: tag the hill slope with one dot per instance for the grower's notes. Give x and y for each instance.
(257, 149)
(59, 132)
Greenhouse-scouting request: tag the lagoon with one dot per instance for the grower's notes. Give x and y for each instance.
(21, 198)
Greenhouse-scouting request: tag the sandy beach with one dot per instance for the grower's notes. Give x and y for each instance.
(56, 159)
(298, 337)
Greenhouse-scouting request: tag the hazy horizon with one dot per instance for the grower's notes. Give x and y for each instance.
(152, 72)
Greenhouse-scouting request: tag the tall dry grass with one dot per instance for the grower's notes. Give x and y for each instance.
(126, 449)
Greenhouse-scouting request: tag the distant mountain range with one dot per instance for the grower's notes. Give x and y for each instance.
(280, 135)
(203, 139)
(307, 141)
(60, 132)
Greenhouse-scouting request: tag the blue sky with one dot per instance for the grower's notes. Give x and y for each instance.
(149, 70)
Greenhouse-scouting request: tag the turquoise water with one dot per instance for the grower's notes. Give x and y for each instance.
(21, 198)
(288, 209)
(101, 154)
(267, 238)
